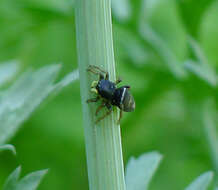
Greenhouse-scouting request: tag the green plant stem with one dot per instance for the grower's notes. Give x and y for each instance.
(103, 140)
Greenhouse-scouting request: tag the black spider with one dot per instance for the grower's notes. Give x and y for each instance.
(110, 94)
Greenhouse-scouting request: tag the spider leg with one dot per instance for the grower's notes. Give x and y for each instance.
(93, 99)
(96, 70)
(93, 67)
(107, 76)
(119, 80)
(99, 108)
(101, 76)
(109, 107)
(92, 71)
(121, 114)
(126, 86)
(108, 113)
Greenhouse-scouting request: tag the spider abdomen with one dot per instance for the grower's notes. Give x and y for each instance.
(123, 99)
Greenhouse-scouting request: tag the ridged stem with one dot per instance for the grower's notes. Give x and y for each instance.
(103, 140)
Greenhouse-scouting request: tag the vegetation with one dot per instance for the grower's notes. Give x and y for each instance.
(167, 52)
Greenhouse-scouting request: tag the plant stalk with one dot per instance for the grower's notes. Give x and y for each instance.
(103, 140)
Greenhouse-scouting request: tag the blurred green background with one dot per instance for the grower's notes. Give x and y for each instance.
(170, 97)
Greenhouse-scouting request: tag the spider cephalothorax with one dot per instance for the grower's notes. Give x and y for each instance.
(110, 94)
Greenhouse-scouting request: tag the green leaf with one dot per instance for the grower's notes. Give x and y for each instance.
(31, 181)
(208, 33)
(161, 47)
(8, 147)
(133, 47)
(202, 71)
(197, 50)
(11, 181)
(122, 9)
(69, 78)
(7, 71)
(19, 101)
(163, 17)
(202, 182)
(156, 19)
(201, 67)
(140, 171)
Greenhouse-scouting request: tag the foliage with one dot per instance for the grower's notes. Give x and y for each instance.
(29, 182)
(140, 171)
(202, 182)
(16, 105)
(166, 51)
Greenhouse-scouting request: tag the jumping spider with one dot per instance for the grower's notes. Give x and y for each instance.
(110, 94)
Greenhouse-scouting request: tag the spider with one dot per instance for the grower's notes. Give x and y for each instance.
(110, 95)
